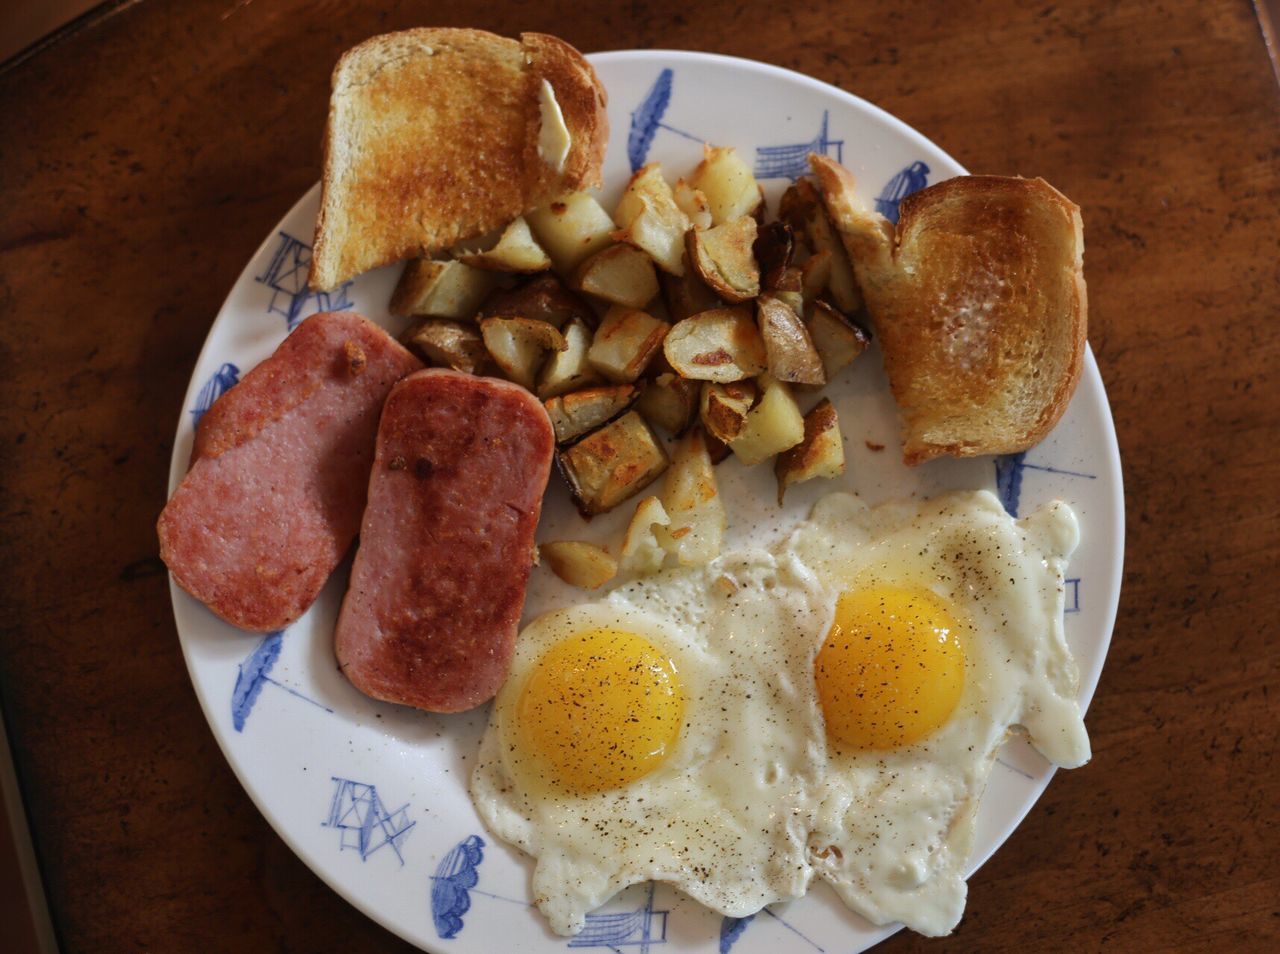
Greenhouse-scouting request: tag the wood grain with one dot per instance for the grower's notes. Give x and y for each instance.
(146, 157)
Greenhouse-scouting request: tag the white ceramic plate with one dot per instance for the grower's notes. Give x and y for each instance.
(373, 796)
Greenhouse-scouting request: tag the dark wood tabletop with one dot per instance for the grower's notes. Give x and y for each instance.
(145, 155)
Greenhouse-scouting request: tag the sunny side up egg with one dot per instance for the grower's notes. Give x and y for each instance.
(832, 705)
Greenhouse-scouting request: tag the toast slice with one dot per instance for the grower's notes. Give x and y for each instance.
(436, 136)
(978, 300)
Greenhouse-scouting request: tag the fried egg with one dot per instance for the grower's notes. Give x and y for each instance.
(832, 706)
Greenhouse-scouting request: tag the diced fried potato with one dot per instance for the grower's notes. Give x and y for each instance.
(625, 343)
(568, 370)
(571, 229)
(573, 415)
(837, 339)
(773, 425)
(720, 345)
(650, 219)
(440, 289)
(669, 401)
(621, 274)
(686, 295)
(642, 554)
(693, 503)
(543, 297)
(815, 275)
(788, 286)
(520, 345)
(579, 563)
(803, 209)
(792, 356)
(728, 184)
(450, 344)
(515, 251)
(724, 408)
(693, 203)
(717, 449)
(820, 454)
(614, 463)
(774, 248)
(723, 258)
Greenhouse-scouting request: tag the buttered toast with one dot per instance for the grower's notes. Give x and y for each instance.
(436, 136)
(978, 300)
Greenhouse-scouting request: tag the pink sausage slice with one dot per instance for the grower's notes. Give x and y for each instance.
(279, 471)
(446, 544)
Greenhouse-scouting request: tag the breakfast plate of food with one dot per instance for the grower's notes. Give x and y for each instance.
(645, 499)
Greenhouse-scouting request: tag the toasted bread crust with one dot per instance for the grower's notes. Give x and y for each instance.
(428, 143)
(979, 301)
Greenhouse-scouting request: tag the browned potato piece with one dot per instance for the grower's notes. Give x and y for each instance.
(568, 370)
(669, 401)
(651, 220)
(578, 563)
(803, 209)
(788, 287)
(519, 346)
(621, 274)
(720, 345)
(717, 449)
(775, 424)
(774, 248)
(728, 184)
(722, 256)
(515, 251)
(625, 343)
(686, 295)
(573, 415)
(571, 229)
(614, 463)
(792, 356)
(693, 504)
(450, 344)
(837, 340)
(820, 454)
(724, 408)
(440, 289)
(815, 275)
(543, 297)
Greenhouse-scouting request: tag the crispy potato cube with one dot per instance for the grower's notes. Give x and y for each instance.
(650, 219)
(723, 258)
(543, 297)
(568, 370)
(720, 345)
(788, 286)
(819, 454)
(693, 504)
(571, 229)
(669, 401)
(578, 563)
(625, 343)
(520, 345)
(837, 339)
(724, 408)
(573, 415)
(686, 295)
(774, 248)
(515, 251)
(815, 275)
(803, 209)
(773, 425)
(440, 289)
(792, 356)
(642, 554)
(450, 344)
(612, 464)
(728, 184)
(693, 203)
(621, 274)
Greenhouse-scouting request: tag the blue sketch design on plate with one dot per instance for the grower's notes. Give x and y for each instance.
(358, 812)
(646, 120)
(1073, 595)
(450, 886)
(911, 179)
(791, 161)
(286, 276)
(731, 929)
(222, 381)
(1009, 471)
(254, 674)
(642, 928)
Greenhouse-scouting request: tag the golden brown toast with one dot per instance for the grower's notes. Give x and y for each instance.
(978, 300)
(435, 136)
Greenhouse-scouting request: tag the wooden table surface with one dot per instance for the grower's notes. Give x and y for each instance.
(144, 158)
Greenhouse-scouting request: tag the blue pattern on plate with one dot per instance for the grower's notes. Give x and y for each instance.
(254, 674)
(286, 276)
(646, 120)
(357, 811)
(791, 161)
(730, 930)
(911, 179)
(455, 876)
(642, 928)
(222, 381)
(1009, 469)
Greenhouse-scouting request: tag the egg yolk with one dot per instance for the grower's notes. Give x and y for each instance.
(600, 710)
(892, 668)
